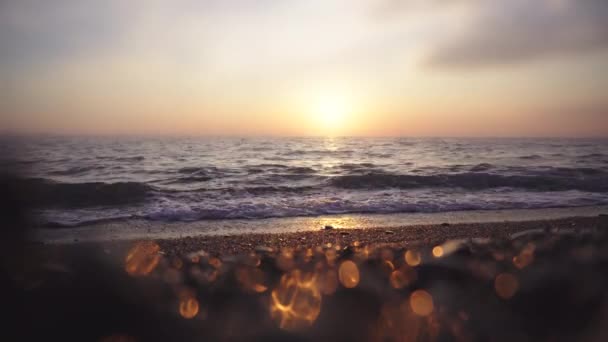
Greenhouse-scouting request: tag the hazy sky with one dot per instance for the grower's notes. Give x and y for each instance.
(287, 67)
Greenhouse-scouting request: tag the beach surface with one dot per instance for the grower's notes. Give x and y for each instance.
(404, 237)
(238, 235)
(501, 281)
(176, 242)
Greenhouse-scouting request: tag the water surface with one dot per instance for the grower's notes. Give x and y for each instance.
(75, 180)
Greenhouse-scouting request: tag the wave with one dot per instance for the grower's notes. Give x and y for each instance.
(192, 169)
(379, 155)
(300, 170)
(121, 159)
(262, 190)
(482, 167)
(46, 193)
(257, 148)
(281, 166)
(195, 172)
(76, 170)
(87, 222)
(190, 179)
(316, 152)
(130, 159)
(559, 180)
(531, 157)
(593, 156)
(355, 166)
(273, 206)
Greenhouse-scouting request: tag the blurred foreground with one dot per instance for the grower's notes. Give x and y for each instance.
(535, 285)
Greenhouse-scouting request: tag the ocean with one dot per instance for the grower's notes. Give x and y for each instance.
(76, 181)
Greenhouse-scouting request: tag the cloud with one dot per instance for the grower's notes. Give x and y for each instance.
(34, 31)
(517, 31)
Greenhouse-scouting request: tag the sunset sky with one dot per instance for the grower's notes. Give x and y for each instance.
(316, 67)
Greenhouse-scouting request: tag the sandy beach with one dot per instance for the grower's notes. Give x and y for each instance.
(407, 236)
(120, 230)
(423, 235)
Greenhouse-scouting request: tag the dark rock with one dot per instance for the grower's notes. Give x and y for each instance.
(327, 227)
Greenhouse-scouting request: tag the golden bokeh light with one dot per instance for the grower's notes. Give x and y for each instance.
(387, 266)
(188, 307)
(330, 256)
(421, 303)
(387, 254)
(309, 255)
(506, 285)
(142, 258)
(215, 263)
(397, 323)
(348, 273)
(437, 251)
(251, 279)
(177, 263)
(210, 275)
(525, 256)
(284, 260)
(398, 279)
(296, 302)
(328, 281)
(413, 258)
(498, 256)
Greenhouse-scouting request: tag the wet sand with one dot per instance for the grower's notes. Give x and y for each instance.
(406, 236)
(136, 229)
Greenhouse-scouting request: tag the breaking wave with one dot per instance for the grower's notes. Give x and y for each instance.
(554, 180)
(47, 193)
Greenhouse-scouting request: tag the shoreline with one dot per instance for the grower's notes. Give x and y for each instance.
(130, 230)
(421, 236)
(405, 236)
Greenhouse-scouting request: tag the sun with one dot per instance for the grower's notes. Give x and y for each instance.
(330, 111)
